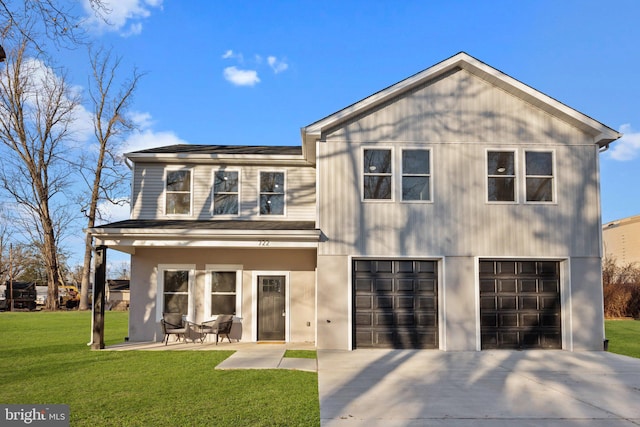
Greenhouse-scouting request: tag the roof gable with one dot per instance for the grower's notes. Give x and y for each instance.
(602, 134)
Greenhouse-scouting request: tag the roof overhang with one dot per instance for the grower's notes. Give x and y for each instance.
(194, 234)
(602, 134)
(211, 154)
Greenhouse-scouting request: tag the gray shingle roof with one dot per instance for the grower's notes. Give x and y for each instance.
(223, 149)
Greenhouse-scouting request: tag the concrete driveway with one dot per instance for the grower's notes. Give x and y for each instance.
(479, 389)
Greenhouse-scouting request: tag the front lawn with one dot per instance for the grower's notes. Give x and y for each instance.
(623, 336)
(45, 360)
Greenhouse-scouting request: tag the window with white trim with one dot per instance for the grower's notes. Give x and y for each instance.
(377, 174)
(175, 291)
(225, 192)
(223, 287)
(178, 192)
(272, 193)
(416, 175)
(539, 176)
(501, 176)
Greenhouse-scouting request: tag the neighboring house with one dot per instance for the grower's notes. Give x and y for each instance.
(621, 240)
(458, 209)
(118, 295)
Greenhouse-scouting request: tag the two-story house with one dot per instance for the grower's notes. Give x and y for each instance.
(458, 209)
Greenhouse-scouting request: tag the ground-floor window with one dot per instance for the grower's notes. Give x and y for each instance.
(175, 289)
(223, 286)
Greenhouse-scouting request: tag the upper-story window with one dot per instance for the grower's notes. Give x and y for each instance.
(501, 182)
(377, 174)
(272, 194)
(178, 192)
(416, 175)
(539, 176)
(225, 192)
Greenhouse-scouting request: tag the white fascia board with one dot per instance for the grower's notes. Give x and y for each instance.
(602, 134)
(215, 158)
(128, 245)
(217, 233)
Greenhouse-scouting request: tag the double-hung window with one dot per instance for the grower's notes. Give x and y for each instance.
(178, 192)
(272, 193)
(416, 175)
(175, 289)
(501, 176)
(222, 286)
(377, 174)
(225, 192)
(539, 176)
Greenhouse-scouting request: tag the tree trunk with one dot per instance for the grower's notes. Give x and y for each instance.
(86, 272)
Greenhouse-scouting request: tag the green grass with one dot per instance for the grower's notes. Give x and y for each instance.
(624, 337)
(45, 360)
(302, 354)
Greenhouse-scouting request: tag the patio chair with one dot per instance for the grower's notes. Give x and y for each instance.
(172, 324)
(220, 327)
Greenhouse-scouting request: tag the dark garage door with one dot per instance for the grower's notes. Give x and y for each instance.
(520, 304)
(395, 304)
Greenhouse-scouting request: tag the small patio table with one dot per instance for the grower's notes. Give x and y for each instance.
(194, 332)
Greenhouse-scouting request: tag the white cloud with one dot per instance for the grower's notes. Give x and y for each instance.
(627, 147)
(230, 54)
(123, 16)
(144, 139)
(114, 212)
(140, 119)
(246, 77)
(42, 79)
(277, 65)
(240, 77)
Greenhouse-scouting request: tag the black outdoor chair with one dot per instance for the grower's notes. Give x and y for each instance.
(220, 327)
(172, 324)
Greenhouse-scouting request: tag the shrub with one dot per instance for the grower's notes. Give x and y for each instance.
(621, 289)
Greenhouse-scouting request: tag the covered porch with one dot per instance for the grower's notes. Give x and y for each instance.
(183, 265)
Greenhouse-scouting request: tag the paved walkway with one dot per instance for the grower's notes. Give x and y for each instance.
(269, 356)
(246, 356)
(479, 389)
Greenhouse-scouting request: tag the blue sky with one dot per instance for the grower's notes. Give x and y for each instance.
(254, 73)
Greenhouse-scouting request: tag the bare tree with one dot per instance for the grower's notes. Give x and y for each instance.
(13, 255)
(120, 271)
(104, 175)
(56, 19)
(37, 109)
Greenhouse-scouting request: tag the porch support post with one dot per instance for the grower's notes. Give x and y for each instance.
(97, 342)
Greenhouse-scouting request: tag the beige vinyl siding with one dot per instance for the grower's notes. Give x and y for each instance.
(458, 108)
(148, 191)
(459, 222)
